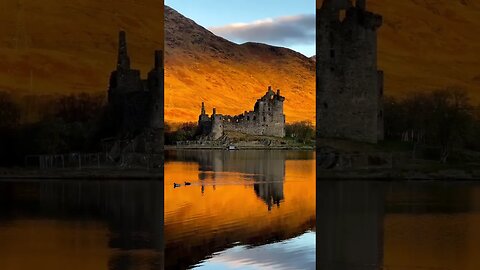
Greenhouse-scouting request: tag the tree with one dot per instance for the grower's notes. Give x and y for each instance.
(184, 132)
(442, 118)
(450, 118)
(303, 131)
(9, 111)
(79, 107)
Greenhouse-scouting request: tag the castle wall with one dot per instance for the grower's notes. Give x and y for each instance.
(348, 82)
(267, 119)
(255, 124)
(380, 121)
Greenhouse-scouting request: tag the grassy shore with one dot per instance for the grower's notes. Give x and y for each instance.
(243, 141)
(241, 147)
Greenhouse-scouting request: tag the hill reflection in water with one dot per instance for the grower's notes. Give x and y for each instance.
(81, 225)
(398, 225)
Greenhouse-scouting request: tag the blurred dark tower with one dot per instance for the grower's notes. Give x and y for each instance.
(124, 88)
(349, 101)
(156, 87)
(123, 59)
(135, 106)
(361, 4)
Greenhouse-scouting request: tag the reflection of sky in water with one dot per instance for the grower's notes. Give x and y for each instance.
(295, 253)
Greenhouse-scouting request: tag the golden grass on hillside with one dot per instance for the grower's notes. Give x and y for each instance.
(56, 46)
(200, 66)
(424, 45)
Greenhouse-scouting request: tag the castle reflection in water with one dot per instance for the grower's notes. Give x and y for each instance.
(238, 198)
(265, 168)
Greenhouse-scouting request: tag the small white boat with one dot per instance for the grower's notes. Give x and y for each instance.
(232, 147)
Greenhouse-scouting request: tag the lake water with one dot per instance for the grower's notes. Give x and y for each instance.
(244, 209)
(398, 225)
(81, 225)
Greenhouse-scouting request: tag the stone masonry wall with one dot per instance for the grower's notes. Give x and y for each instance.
(349, 86)
(266, 119)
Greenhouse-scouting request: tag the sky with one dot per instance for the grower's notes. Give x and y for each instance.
(285, 23)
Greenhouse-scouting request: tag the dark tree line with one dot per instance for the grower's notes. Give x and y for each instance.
(183, 132)
(9, 111)
(303, 132)
(444, 119)
(70, 123)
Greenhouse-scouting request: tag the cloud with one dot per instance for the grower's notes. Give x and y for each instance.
(287, 30)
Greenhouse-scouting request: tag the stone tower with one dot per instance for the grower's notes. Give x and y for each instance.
(123, 61)
(204, 122)
(155, 85)
(349, 86)
(123, 82)
(135, 105)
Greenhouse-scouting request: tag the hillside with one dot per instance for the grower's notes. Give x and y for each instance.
(200, 66)
(56, 46)
(426, 44)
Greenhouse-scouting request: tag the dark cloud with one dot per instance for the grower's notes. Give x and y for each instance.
(288, 30)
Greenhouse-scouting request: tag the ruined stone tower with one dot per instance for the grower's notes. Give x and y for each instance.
(136, 105)
(155, 86)
(349, 86)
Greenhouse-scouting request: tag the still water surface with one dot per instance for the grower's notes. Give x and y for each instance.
(81, 225)
(398, 225)
(243, 210)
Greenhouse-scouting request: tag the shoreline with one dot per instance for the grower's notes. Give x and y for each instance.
(82, 174)
(205, 147)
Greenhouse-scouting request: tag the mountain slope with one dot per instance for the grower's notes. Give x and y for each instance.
(57, 46)
(200, 66)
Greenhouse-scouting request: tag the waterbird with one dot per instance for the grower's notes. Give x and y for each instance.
(187, 183)
(175, 185)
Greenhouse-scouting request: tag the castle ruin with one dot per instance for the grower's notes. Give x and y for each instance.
(135, 104)
(266, 119)
(349, 86)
